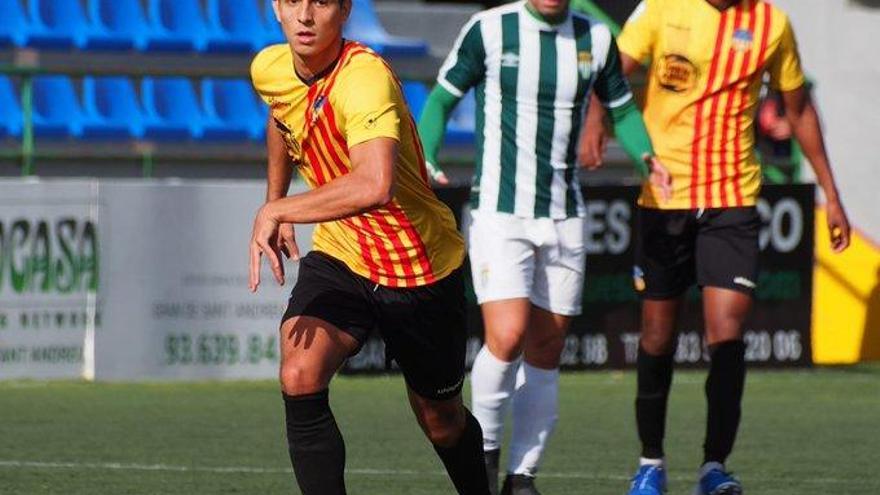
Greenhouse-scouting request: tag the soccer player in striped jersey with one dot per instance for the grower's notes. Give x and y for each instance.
(708, 59)
(533, 65)
(387, 254)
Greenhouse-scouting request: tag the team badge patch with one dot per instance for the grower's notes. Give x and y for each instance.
(638, 278)
(585, 64)
(742, 40)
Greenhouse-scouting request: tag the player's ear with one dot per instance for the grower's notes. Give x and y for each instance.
(346, 9)
(276, 7)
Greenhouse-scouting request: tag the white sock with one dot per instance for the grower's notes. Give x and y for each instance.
(644, 461)
(492, 385)
(535, 411)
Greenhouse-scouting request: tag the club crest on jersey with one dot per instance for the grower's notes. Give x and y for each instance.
(585, 64)
(509, 59)
(742, 40)
(316, 108)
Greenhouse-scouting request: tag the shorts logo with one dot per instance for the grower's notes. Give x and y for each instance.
(742, 40)
(676, 73)
(451, 388)
(638, 278)
(509, 59)
(745, 282)
(484, 276)
(585, 64)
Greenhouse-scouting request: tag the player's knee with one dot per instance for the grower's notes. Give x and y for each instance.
(544, 351)
(299, 380)
(506, 346)
(443, 425)
(656, 341)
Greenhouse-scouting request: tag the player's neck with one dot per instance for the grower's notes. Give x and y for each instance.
(723, 4)
(316, 66)
(552, 20)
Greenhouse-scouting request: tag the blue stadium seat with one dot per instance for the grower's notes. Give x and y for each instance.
(416, 94)
(234, 26)
(57, 24)
(273, 34)
(364, 26)
(462, 123)
(176, 25)
(14, 23)
(10, 109)
(231, 110)
(111, 109)
(171, 108)
(57, 112)
(116, 25)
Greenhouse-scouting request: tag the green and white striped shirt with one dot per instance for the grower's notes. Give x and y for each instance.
(532, 82)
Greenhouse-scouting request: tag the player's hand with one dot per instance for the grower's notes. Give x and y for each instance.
(286, 242)
(592, 146)
(436, 173)
(838, 226)
(659, 178)
(263, 242)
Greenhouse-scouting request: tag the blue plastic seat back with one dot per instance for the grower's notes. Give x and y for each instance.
(14, 23)
(112, 102)
(416, 94)
(364, 25)
(178, 20)
(124, 19)
(57, 111)
(57, 22)
(10, 109)
(171, 102)
(236, 20)
(233, 108)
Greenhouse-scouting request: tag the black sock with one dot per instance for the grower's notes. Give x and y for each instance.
(465, 462)
(654, 381)
(724, 391)
(317, 451)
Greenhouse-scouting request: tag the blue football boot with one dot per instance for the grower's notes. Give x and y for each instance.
(717, 481)
(649, 480)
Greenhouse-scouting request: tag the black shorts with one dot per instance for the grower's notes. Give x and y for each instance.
(424, 328)
(713, 248)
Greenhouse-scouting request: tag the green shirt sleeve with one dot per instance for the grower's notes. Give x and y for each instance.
(629, 127)
(432, 123)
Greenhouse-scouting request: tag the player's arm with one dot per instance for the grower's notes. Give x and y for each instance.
(804, 119)
(278, 175)
(464, 67)
(369, 185)
(432, 128)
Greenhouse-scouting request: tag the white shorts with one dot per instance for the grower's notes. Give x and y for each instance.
(541, 259)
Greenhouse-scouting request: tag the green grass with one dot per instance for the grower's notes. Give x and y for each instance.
(803, 432)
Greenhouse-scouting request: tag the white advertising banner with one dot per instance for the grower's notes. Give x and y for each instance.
(167, 262)
(49, 272)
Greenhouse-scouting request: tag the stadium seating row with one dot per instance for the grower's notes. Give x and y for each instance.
(166, 108)
(172, 25)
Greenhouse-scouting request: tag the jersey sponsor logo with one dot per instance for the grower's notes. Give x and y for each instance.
(585, 64)
(676, 73)
(509, 59)
(745, 282)
(742, 40)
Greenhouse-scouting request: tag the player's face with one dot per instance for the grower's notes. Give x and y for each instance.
(550, 8)
(312, 27)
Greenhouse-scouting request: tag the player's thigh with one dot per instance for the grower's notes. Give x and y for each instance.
(425, 332)
(328, 317)
(560, 267)
(665, 246)
(727, 249)
(502, 257)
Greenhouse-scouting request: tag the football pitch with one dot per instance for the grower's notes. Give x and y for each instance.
(803, 432)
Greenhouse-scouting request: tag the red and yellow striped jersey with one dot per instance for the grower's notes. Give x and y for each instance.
(705, 76)
(411, 241)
